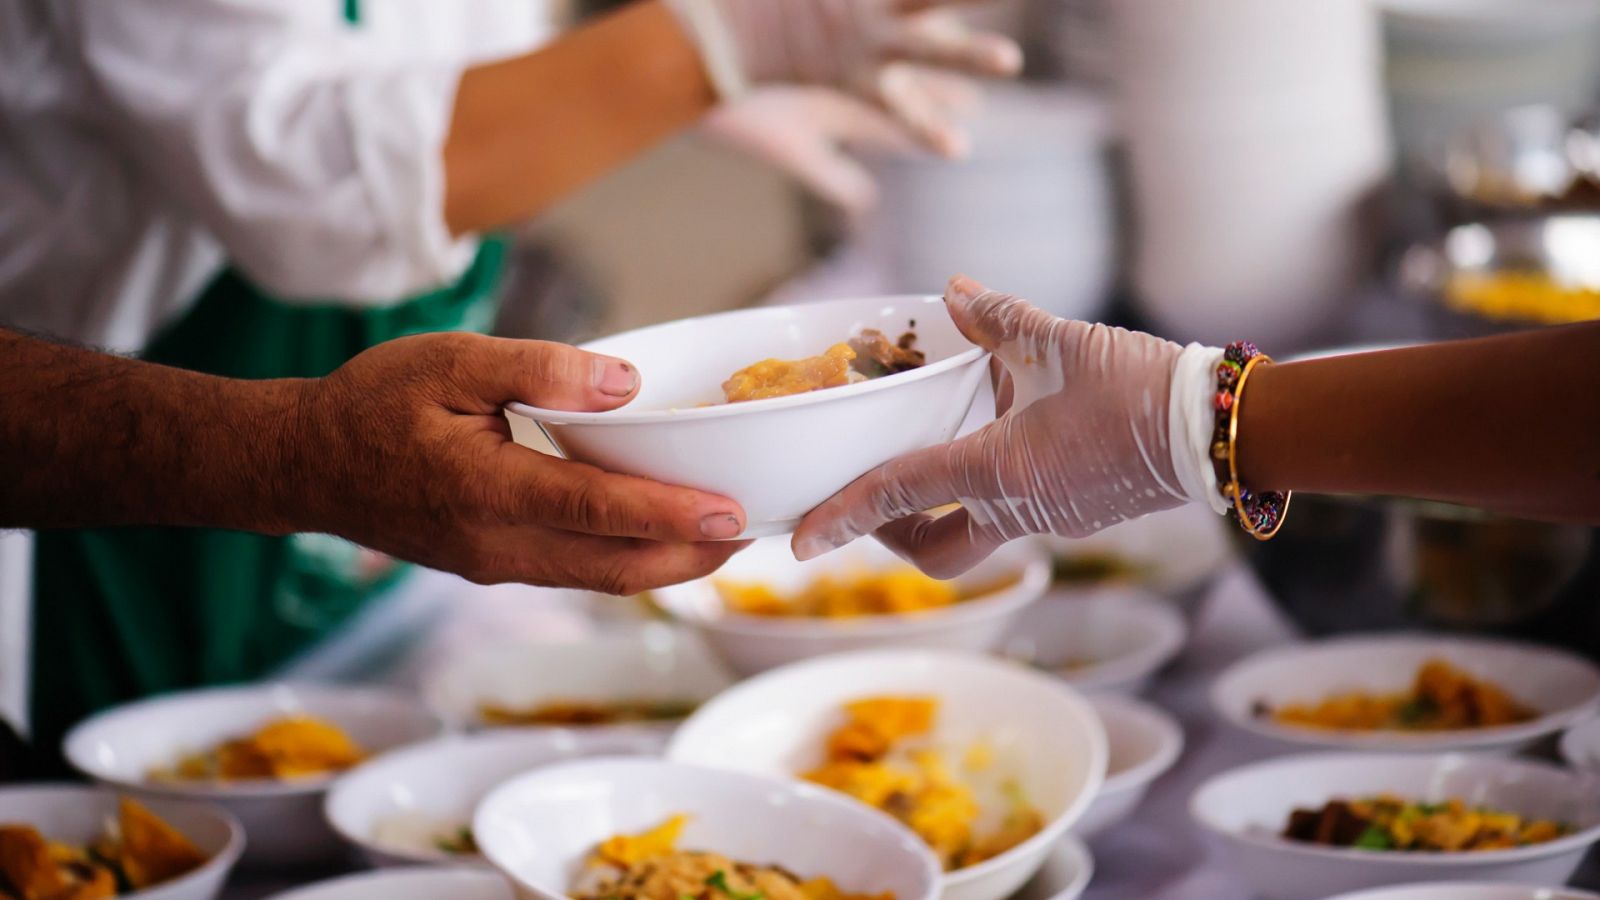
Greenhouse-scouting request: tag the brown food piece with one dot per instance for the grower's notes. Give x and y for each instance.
(153, 851)
(875, 356)
(30, 869)
(1335, 824)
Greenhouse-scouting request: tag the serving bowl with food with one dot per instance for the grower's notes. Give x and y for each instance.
(1143, 742)
(415, 804)
(778, 407)
(411, 883)
(265, 753)
(1461, 890)
(80, 843)
(646, 678)
(636, 829)
(1409, 693)
(764, 609)
(1176, 554)
(1100, 640)
(1314, 825)
(988, 761)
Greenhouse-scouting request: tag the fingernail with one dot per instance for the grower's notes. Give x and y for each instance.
(720, 526)
(812, 547)
(615, 378)
(964, 288)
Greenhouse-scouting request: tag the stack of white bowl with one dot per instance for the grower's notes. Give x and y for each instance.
(1257, 136)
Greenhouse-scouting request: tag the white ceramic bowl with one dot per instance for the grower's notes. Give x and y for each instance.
(283, 820)
(1108, 639)
(1467, 891)
(417, 790)
(1041, 729)
(1580, 746)
(1178, 552)
(654, 662)
(1144, 743)
(1562, 686)
(1248, 806)
(1065, 874)
(778, 458)
(77, 815)
(416, 883)
(540, 828)
(751, 644)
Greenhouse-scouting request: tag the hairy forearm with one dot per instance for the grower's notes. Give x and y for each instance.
(1509, 423)
(91, 439)
(528, 131)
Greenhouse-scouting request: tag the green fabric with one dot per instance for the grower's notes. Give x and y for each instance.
(122, 613)
(352, 11)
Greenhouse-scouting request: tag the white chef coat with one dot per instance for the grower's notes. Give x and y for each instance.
(146, 143)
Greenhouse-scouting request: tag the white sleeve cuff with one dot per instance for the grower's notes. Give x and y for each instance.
(1191, 422)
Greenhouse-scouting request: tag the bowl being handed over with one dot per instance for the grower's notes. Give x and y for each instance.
(779, 457)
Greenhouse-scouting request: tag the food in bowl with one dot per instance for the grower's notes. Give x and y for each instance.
(138, 850)
(419, 832)
(578, 713)
(895, 590)
(1094, 568)
(1442, 697)
(283, 749)
(649, 866)
(964, 809)
(1388, 822)
(864, 357)
(1521, 295)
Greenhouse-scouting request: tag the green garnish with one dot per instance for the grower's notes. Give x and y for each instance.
(1374, 838)
(462, 842)
(718, 880)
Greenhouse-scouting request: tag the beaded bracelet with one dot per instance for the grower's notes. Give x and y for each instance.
(1260, 514)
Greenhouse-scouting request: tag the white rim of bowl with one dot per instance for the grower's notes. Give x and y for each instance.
(1547, 723)
(83, 762)
(1034, 581)
(1587, 733)
(400, 873)
(1053, 830)
(1529, 891)
(1575, 841)
(1082, 862)
(1172, 632)
(792, 786)
(625, 416)
(1152, 719)
(223, 860)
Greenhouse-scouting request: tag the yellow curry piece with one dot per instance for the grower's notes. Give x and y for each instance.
(649, 866)
(1524, 296)
(1387, 822)
(282, 750)
(142, 851)
(865, 593)
(782, 377)
(1442, 698)
(868, 758)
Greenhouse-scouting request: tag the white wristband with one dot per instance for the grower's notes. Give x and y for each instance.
(719, 52)
(1191, 422)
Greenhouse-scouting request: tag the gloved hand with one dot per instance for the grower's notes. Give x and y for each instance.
(810, 133)
(1089, 433)
(880, 50)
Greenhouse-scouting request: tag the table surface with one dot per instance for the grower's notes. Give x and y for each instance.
(1157, 854)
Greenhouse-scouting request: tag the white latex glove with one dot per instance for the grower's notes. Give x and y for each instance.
(811, 133)
(880, 50)
(1093, 430)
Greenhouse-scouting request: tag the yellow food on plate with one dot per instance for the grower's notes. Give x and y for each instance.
(881, 756)
(649, 866)
(895, 591)
(783, 377)
(1524, 296)
(586, 712)
(282, 750)
(1387, 822)
(139, 850)
(1441, 698)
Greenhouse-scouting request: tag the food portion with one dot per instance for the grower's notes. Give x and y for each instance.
(894, 591)
(1527, 296)
(418, 833)
(868, 355)
(138, 850)
(1441, 698)
(1077, 569)
(284, 749)
(649, 866)
(1387, 822)
(955, 800)
(586, 712)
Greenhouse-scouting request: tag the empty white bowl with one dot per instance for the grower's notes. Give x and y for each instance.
(540, 828)
(416, 883)
(1468, 891)
(1041, 729)
(283, 819)
(1561, 686)
(77, 815)
(1144, 743)
(1065, 874)
(781, 457)
(391, 807)
(1109, 639)
(1248, 807)
(654, 662)
(750, 644)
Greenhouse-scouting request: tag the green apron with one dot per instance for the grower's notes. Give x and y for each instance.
(123, 613)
